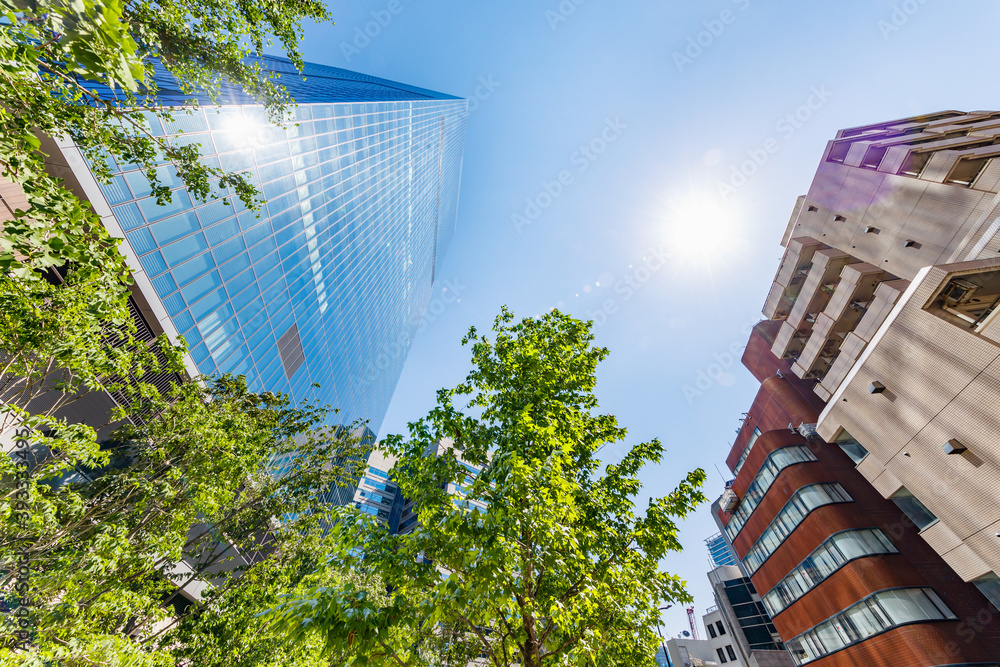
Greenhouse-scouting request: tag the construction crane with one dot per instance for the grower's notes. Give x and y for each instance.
(694, 628)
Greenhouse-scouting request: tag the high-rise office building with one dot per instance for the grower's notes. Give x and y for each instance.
(865, 506)
(376, 492)
(739, 625)
(327, 285)
(405, 516)
(719, 551)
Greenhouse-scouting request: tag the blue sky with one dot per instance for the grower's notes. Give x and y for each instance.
(664, 123)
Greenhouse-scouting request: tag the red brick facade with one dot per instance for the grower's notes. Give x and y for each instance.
(784, 400)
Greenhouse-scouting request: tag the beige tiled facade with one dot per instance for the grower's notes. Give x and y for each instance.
(889, 293)
(942, 383)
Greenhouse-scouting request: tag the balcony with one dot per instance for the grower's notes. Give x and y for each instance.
(873, 313)
(849, 299)
(795, 265)
(812, 299)
(728, 500)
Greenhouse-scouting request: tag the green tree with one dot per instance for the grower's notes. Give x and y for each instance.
(189, 497)
(541, 558)
(230, 629)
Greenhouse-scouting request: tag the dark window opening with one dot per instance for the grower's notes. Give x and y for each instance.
(914, 163)
(915, 510)
(839, 151)
(873, 158)
(967, 170)
(970, 300)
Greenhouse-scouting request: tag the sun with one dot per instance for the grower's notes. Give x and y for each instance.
(243, 130)
(699, 228)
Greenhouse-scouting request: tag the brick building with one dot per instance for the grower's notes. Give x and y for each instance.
(866, 500)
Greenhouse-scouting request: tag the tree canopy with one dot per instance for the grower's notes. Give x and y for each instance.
(192, 498)
(540, 558)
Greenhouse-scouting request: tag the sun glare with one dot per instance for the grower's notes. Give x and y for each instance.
(699, 228)
(244, 131)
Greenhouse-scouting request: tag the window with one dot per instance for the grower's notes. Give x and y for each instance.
(798, 507)
(873, 157)
(876, 613)
(751, 615)
(839, 151)
(711, 630)
(990, 587)
(852, 447)
(969, 300)
(722, 656)
(913, 509)
(830, 637)
(914, 163)
(825, 562)
(776, 461)
(721, 627)
(862, 620)
(731, 652)
(908, 605)
(746, 450)
(967, 170)
(834, 553)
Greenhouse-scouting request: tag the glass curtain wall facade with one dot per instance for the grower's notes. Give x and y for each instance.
(719, 551)
(327, 284)
(750, 613)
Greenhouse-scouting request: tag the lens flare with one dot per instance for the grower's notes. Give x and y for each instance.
(699, 228)
(242, 131)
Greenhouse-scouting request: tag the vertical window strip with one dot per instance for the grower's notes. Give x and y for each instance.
(776, 461)
(875, 614)
(798, 507)
(838, 550)
(746, 450)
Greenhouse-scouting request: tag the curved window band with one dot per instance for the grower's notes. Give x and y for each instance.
(873, 615)
(751, 441)
(798, 507)
(836, 551)
(776, 461)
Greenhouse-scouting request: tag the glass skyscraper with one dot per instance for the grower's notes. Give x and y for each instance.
(719, 551)
(327, 285)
